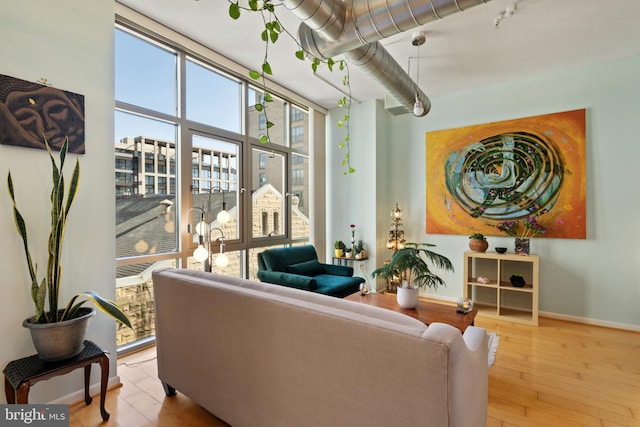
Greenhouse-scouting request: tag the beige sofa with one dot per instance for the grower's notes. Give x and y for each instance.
(255, 354)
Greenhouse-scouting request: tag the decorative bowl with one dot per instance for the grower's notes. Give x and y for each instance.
(501, 250)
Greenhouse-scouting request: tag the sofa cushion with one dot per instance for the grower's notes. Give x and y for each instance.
(278, 259)
(338, 286)
(288, 279)
(307, 268)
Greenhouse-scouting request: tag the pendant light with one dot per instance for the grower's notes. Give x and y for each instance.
(418, 40)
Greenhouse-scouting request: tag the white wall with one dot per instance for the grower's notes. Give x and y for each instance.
(70, 43)
(354, 203)
(588, 280)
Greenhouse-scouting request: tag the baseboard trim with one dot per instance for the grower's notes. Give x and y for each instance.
(566, 317)
(588, 321)
(94, 390)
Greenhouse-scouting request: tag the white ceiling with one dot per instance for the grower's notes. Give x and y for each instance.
(463, 51)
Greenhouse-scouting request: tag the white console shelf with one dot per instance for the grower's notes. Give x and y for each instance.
(499, 298)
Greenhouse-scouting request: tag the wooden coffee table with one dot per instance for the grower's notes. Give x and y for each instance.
(426, 312)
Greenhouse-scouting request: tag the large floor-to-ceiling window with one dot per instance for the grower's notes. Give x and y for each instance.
(187, 146)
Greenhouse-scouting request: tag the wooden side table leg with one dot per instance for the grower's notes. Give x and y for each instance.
(87, 381)
(104, 367)
(9, 392)
(22, 395)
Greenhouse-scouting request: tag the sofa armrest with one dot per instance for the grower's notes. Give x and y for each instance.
(337, 270)
(467, 372)
(288, 279)
(474, 338)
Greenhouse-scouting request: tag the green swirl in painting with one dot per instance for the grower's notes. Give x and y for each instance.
(506, 176)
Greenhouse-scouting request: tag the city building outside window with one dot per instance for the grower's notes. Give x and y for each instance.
(296, 115)
(297, 134)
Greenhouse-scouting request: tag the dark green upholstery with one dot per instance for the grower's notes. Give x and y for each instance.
(298, 267)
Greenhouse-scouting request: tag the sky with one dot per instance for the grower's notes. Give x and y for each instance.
(146, 76)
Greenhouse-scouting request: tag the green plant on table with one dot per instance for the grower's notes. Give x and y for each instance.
(414, 260)
(477, 236)
(339, 244)
(49, 286)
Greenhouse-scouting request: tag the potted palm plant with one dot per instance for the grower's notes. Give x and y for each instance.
(58, 333)
(412, 263)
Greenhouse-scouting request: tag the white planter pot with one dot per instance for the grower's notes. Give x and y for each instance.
(408, 297)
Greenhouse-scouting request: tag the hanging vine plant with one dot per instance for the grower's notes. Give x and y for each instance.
(270, 34)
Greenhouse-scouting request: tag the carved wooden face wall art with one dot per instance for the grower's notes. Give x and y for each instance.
(30, 112)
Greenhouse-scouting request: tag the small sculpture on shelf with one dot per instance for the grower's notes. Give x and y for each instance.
(517, 280)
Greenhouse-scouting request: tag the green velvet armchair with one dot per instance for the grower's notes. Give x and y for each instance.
(298, 267)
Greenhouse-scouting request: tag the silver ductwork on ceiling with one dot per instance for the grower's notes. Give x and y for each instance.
(353, 28)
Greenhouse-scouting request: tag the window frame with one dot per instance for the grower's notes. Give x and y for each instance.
(245, 242)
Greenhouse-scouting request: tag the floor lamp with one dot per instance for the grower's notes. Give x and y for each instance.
(204, 230)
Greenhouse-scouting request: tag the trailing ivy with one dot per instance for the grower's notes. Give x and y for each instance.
(345, 102)
(269, 35)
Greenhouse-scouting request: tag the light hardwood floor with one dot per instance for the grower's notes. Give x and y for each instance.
(557, 374)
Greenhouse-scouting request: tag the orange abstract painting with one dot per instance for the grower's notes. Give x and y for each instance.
(480, 176)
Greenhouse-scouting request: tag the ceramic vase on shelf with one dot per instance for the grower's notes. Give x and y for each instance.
(522, 246)
(478, 245)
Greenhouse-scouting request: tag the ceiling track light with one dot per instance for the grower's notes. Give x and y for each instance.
(508, 12)
(418, 38)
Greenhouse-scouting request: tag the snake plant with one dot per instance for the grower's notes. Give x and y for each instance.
(49, 287)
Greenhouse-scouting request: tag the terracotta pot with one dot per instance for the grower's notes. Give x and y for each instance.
(477, 245)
